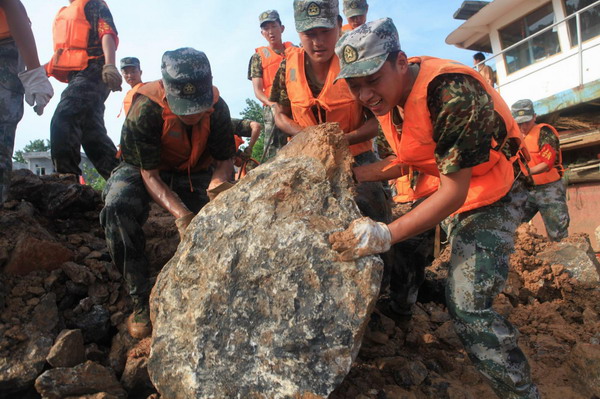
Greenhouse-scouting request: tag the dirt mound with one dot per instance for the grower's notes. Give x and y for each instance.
(558, 316)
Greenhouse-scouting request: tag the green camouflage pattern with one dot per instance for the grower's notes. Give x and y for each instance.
(241, 127)
(547, 137)
(268, 16)
(522, 111)
(352, 8)
(550, 201)
(126, 208)
(255, 69)
(130, 61)
(187, 79)
(11, 110)
(141, 133)
(363, 51)
(481, 242)
(310, 14)
(274, 138)
(464, 122)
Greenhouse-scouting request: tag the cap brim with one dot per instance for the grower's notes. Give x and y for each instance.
(362, 68)
(312, 23)
(189, 106)
(523, 118)
(268, 20)
(127, 65)
(355, 12)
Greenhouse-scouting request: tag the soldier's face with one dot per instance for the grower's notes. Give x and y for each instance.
(272, 31)
(357, 21)
(191, 120)
(386, 88)
(319, 43)
(526, 127)
(132, 75)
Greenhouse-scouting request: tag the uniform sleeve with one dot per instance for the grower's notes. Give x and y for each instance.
(463, 119)
(241, 127)
(547, 137)
(255, 69)
(141, 134)
(101, 22)
(221, 145)
(279, 93)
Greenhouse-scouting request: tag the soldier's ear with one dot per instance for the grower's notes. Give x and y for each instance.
(282, 28)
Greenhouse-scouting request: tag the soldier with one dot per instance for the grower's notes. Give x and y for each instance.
(548, 195)
(85, 40)
(261, 71)
(159, 163)
(16, 38)
(130, 69)
(485, 70)
(455, 126)
(356, 13)
(243, 158)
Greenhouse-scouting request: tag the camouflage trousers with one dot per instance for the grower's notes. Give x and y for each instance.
(126, 208)
(481, 242)
(79, 122)
(274, 138)
(551, 201)
(11, 111)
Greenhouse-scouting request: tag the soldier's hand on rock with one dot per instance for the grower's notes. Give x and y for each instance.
(112, 77)
(215, 190)
(38, 90)
(182, 224)
(363, 237)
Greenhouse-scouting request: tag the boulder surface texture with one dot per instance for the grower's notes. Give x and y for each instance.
(255, 303)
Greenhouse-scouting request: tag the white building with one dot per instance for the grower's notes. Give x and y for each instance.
(40, 163)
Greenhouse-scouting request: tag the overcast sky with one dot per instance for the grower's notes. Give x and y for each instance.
(228, 32)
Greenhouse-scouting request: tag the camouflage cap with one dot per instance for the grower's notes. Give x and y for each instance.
(187, 79)
(129, 61)
(352, 8)
(363, 50)
(522, 111)
(309, 14)
(268, 16)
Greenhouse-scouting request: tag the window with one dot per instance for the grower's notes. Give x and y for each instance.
(590, 20)
(40, 170)
(534, 50)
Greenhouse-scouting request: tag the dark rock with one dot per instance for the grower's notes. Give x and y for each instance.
(122, 342)
(135, 378)
(275, 315)
(412, 373)
(45, 314)
(446, 334)
(94, 325)
(84, 379)
(78, 273)
(68, 349)
(584, 362)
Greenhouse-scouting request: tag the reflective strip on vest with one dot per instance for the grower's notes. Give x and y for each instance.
(335, 99)
(270, 61)
(532, 140)
(415, 146)
(4, 29)
(128, 100)
(179, 150)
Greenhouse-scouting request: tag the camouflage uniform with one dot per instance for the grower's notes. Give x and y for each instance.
(549, 199)
(274, 138)
(11, 109)
(79, 117)
(464, 122)
(126, 198)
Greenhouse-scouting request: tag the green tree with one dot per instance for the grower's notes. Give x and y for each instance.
(93, 178)
(254, 112)
(38, 145)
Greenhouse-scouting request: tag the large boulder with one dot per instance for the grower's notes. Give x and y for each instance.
(255, 303)
(578, 258)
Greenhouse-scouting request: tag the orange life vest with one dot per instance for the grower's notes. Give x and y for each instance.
(415, 146)
(4, 29)
(70, 33)
(424, 186)
(346, 28)
(238, 141)
(179, 150)
(336, 99)
(532, 140)
(270, 64)
(128, 100)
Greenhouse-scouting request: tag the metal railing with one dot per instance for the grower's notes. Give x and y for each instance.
(577, 16)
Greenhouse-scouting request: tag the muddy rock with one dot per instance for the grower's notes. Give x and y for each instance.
(94, 324)
(254, 302)
(68, 349)
(84, 379)
(32, 254)
(577, 257)
(584, 363)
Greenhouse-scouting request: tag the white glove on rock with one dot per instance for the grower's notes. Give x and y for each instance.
(363, 237)
(38, 90)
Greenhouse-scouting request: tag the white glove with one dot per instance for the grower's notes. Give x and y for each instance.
(363, 237)
(112, 77)
(38, 90)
